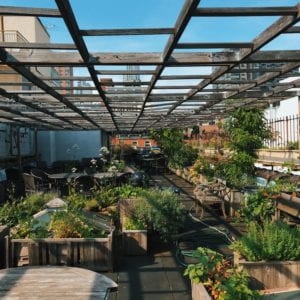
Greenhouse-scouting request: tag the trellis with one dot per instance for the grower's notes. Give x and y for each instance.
(138, 106)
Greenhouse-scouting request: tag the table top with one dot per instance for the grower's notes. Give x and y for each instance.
(51, 282)
(97, 175)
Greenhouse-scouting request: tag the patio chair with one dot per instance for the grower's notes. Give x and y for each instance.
(33, 184)
(84, 184)
(43, 177)
(207, 195)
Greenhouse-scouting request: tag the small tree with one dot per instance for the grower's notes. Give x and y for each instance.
(247, 130)
(179, 154)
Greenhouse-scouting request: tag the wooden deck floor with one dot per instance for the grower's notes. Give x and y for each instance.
(159, 276)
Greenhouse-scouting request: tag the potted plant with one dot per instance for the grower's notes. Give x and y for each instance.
(214, 278)
(271, 254)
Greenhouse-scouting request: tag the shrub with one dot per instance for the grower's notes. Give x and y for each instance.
(160, 210)
(247, 130)
(133, 223)
(272, 241)
(69, 224)
(221, 280)
(13, 213)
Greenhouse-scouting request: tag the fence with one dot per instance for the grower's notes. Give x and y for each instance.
(285, 132)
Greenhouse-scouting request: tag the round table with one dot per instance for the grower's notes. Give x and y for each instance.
(51, 282)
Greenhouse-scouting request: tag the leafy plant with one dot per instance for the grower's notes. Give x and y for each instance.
(272, 241)
(247, 130)
(13, 213)
(178, 153)
(29, 228)
(69, 224)
(222, 281)
(160, 210)
(260, 206)
(134, 223)
(292, 145)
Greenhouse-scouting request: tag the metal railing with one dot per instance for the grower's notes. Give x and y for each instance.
(12, 36)
(285, 132)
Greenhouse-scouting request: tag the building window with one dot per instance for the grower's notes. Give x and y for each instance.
(134, 143)
(147, 144)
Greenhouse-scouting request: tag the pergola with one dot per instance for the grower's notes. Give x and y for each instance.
(139, 106)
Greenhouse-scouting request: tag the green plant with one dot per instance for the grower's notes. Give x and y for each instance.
(272, 241)
(13, 213)
(179, 154)
(204, 166)
(160, 210)
(222, 281)
(247, 131)
(292, 145)
(260, 206)
(134, 223)
(106, 196)
(29, 228)
(92, 205)
(71, 224)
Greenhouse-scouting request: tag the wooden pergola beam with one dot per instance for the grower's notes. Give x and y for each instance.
(213, 45)
(129, 31)
(149, 58)
(37, 46)
(26, 73)
(66, 11)
(29, 11)
(245, 11)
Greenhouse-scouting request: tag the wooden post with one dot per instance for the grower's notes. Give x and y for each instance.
(7, 252)
(19, 149)
(36, 154)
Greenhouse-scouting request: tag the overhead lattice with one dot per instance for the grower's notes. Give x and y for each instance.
(126, 106)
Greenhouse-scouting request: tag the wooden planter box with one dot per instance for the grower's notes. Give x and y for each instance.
(271, 274)
(91, 253)
(4, 231)
(199, 292)
(135, 242)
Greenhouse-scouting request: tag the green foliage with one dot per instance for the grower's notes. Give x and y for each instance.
(70, 224)
(179, 154)
(134, 223)
(127, 191)
(272, 241)
(238, 170)
(221, 280)
(29, 228)
(160, 210)
(92, 205)
(292, 145)
(260, 206)
(247, 130)
(203, 166)
(77, 201)
(106, 196)
(13, 213)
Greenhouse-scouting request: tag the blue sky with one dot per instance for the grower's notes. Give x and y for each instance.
(100, 14)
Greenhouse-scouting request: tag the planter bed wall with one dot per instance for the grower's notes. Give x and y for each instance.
(199, 292)
(91, 253)
(135, 242)
(271, 274)
(4, 231)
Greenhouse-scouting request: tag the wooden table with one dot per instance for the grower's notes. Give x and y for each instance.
(26, 283)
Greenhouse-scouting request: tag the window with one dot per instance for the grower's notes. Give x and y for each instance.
(147, 144)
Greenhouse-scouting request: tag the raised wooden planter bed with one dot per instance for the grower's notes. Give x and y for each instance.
(199, 292)
(135, 242)
(271, 274)
(4, 231)
(91, 253)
